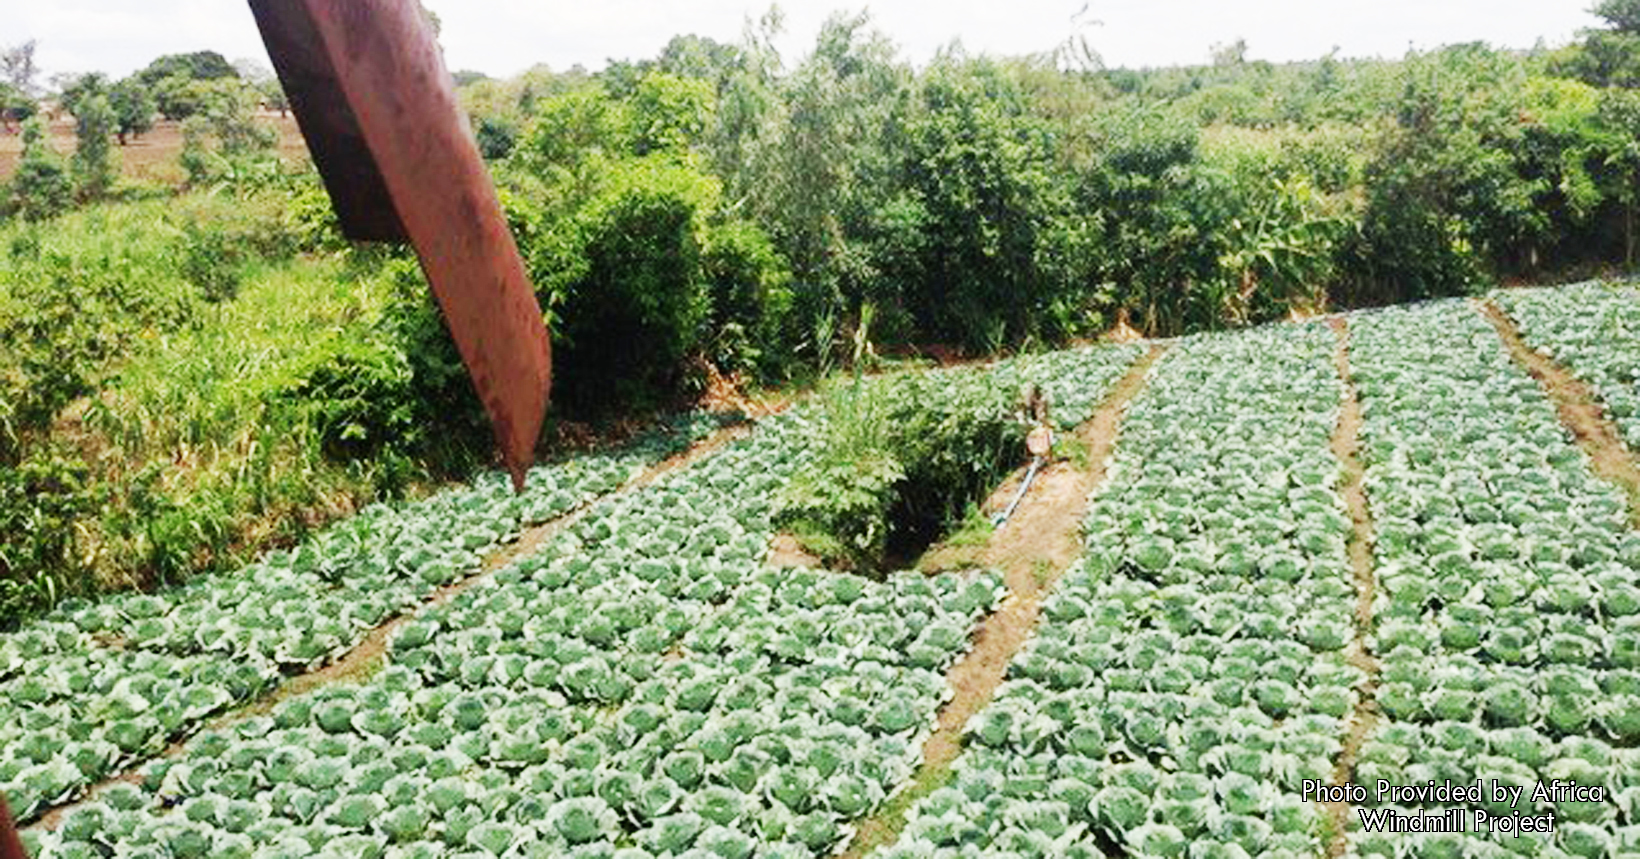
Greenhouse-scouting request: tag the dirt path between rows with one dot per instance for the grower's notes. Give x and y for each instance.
(369, 654)
(1346, 446)
(1580, 410)
(1031, 550)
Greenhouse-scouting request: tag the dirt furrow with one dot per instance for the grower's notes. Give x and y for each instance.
(1580, 410)
(368, 655)
(1040, 541)
(1346, 446)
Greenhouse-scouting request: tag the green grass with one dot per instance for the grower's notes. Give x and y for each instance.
(973, 529)
(203, 443)
(180, 390)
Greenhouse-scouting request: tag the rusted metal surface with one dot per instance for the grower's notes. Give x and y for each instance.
(11, 845)
(379, 112)
(333, 136)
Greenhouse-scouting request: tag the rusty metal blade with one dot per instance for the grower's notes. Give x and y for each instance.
(371, 94)
(11, 845)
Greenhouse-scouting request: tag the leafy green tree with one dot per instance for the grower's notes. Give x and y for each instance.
(177, 98)
(1622, 15)
(699, 57)
(670, 113)
(1607, 56)
(978, 166)
(1453, 197)
(134, 108)
(41, 187)
(571, 129)
(1618, 161)
(1144, 181)
(198, 65)
(93, 163)
(820, 158)
(628, 242)
(81, 87)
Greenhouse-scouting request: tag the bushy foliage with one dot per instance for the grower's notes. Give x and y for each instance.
(94, 164)
(224, 145)
(134, 108)
(41, 187)
(15, 105)
(900, 458)
(78, 298)
(638, 265)
(983, 203)
(977, 175)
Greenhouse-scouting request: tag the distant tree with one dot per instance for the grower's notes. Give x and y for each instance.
(815, 153)
(133, 106)
(40, 188)
(199, 65)
(93, 162)
(1623, 15)
(465, 77)
(1231, 55)
(701, 57)
(979, 193)
(1608, 56)
(670, 113)
(573, 129)
(179, 98)
(76, 88)
(252, 71)
(620, 77)
(17, 66)
(1619, 118)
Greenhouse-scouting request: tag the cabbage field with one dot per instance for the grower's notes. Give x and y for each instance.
(644, 684)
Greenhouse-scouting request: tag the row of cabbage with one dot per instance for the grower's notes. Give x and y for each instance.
(1593, 330)
(641, 687)
(97, 685)
(1075, 381)
(1189, 673)
(1508, 618)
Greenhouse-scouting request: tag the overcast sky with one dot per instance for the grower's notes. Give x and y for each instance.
(503, 37)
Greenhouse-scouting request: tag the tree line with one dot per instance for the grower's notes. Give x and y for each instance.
(717, 205)
(212, 99)
(717, 202)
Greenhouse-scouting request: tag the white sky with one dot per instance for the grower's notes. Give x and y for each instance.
(503, 37)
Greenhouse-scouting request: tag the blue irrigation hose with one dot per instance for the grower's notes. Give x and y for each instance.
(1030, 475)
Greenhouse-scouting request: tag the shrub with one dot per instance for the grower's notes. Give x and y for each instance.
(358, 395)
(94, 165)
(40, 500)
(750, 300)
(902, 457)
(212, 262)
(41, 187)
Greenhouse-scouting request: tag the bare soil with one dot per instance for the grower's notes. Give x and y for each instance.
(1346, 446)
(1031, 551)
(1580, 410)
(369, 655)
(786, 551)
